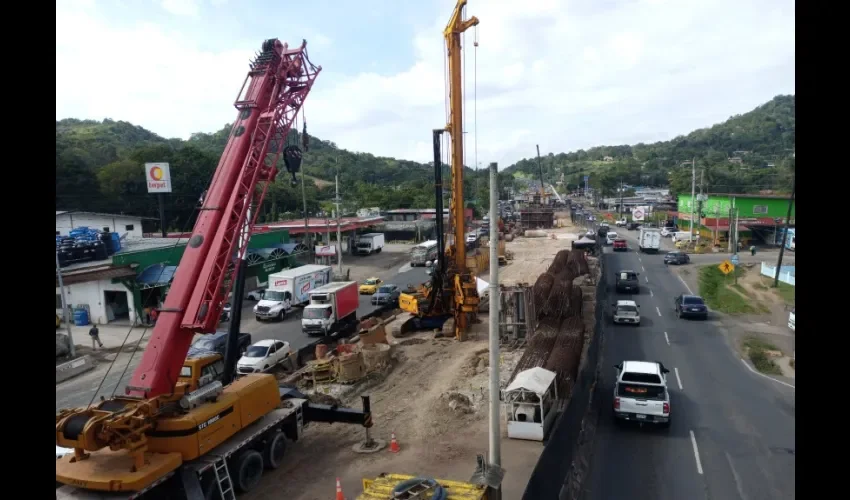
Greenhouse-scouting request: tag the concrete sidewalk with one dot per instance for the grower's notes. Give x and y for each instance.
(111, 336)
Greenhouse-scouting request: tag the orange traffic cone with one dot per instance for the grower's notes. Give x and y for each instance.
(394, 448)
(339, 495)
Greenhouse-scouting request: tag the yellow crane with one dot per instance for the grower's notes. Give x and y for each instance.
(450, 299)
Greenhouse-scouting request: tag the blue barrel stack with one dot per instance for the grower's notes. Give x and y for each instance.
(84, 244)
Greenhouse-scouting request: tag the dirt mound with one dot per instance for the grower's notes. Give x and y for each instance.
(413, 342)
(323, 399)
(460, 403)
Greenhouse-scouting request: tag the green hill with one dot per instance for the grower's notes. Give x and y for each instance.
(746, 153)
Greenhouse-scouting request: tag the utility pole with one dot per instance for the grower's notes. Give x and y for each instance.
(338, 229)
(542, 186)
(621, 198)
(495, 416)
(309, 239)
(693, 193)
(65, 317)
(785, 233)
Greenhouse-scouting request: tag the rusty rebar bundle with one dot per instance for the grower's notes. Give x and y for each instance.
(541, 290)
(559, 262)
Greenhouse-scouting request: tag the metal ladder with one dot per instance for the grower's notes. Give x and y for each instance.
(416, 491)
(222, 477)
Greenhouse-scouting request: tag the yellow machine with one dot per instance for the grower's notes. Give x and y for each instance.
(451, 296)
(387, 486)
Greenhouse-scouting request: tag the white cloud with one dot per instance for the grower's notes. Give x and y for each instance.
(562, 74)
(188, 8)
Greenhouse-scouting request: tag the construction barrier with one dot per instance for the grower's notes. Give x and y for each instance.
(565, 459)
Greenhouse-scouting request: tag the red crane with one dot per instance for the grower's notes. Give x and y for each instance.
(271, 96)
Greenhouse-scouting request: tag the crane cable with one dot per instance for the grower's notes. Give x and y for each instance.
(475, 96)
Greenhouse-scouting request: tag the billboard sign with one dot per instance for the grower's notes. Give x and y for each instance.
(158, 177)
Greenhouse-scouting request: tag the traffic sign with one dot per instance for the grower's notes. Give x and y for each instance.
(726, 267)
(637, 214)
(735, 259)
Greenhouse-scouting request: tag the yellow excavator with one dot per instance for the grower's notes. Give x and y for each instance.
(450, 299)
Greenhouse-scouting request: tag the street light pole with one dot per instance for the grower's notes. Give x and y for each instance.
(785, 233)
(65, 317)
(693, 193)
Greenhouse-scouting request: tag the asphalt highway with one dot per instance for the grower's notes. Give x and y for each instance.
(733, 430)
(78, 391)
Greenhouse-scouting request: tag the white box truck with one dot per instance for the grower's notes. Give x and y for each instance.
(288, 288)
(368, 243)
(649, 239)
(332, 309)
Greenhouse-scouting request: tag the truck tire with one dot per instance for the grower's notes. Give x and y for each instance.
(379, 250)
(259, 318)
(281, 315)
(274, 450)
(247, 470)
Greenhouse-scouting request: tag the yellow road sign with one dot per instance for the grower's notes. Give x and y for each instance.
(726, 267)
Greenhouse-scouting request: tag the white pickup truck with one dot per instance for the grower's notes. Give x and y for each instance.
(640, 393)
(622, 222)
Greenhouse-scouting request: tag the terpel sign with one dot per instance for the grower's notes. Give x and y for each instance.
(158, 177)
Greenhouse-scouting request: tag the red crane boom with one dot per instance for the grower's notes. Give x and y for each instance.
(271, 96)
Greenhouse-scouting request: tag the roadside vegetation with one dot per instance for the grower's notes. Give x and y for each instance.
(756, 350)
(722, 294)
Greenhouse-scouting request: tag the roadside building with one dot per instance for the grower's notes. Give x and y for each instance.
(120, 288)
(760, 218)
(129, 226)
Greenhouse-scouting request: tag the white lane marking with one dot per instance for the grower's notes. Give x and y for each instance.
(666, 338)
(651, 294)
(696, 452)
(765, 376)
(678, 380)
(658, 310)
(646, 278)
(686, 285)
(640, 258)
(738, 485)
(642, 268)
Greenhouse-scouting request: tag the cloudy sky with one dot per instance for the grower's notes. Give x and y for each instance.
(565, 74)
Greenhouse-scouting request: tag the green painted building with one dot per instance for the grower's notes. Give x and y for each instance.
(750, 206)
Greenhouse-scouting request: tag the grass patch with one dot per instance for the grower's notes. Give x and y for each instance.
(786, 292)
(756, 351)
(721, 293)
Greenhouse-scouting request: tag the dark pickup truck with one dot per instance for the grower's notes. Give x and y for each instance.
(627, 281)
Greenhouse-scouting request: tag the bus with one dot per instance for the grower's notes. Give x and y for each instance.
(423, 252)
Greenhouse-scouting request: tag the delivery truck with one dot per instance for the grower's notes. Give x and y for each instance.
(649, 239)
(368, 243)
(332, 309)
(290, 288)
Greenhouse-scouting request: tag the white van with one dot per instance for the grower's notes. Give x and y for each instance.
(683, 236)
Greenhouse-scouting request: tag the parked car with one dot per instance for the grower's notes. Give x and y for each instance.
(640, 393)
(622, 222)
(610, 237)
(688, 306)
(677, 258)
(620, 245)
(627, 281)
(370, 286)
(632, 226)
(386, 294)
(216, 343)
(263, 356)
(667, 231)
(626, 311)
(256, 295)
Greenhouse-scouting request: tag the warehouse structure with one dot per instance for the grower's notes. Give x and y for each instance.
(120, 288)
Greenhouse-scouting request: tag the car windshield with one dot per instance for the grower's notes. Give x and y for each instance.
(257, 351)
(627, 309)
(273, 295)
(638, 391)
(629, 276)
(693, 301)
(316, 313)
(371, 281)
(612, 235)
(385, 289)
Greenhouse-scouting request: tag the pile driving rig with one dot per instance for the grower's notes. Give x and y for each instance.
(450, 299)
(205, 434)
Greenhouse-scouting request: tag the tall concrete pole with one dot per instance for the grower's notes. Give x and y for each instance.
(784, 236)
(338, 229)
(693, 192)
(495, 419)
(65, 317)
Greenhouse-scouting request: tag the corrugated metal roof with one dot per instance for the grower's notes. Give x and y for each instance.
(95, 274)
(126, 216)
(156, 274)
